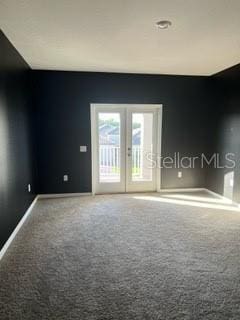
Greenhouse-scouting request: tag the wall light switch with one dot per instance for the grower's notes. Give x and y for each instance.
(65, 177)
(83, 148)
(179, 174)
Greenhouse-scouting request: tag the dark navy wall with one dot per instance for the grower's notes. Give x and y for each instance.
(16, 159)
(62, 107)
(227, 128)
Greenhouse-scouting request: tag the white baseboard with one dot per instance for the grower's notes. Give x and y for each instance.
(18, 227)
(216, 194)
(221, 197)
(28, 212)
(63, 195)
(182, 190)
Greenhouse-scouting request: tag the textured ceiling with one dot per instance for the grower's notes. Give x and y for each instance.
(120, 36)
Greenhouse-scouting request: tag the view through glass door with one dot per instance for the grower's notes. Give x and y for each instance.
(141, 148)
(125, 141)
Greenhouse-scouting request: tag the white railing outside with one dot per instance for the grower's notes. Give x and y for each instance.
(137, 161)
(109, 160)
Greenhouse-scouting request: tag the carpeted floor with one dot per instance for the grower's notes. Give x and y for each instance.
(131, 257)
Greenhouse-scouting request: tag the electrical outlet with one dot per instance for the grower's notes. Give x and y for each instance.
(29, 187)
(83, 148)
(179, 174)
(65, 178)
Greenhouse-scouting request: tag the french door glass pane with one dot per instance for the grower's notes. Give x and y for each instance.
(109, 146)
(142, 144)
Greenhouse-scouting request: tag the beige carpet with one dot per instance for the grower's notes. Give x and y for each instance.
(136, 256)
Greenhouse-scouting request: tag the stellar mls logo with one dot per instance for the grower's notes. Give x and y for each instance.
(217, 161)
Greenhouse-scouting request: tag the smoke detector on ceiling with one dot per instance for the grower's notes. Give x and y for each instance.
(163, 24)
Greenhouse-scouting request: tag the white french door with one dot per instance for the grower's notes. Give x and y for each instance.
(125, 141)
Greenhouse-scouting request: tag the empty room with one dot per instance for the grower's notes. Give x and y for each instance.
(119, 160)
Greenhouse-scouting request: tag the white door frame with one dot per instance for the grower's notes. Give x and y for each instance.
(94, 141)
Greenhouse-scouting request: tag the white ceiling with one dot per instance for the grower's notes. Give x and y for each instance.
(120, 35)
